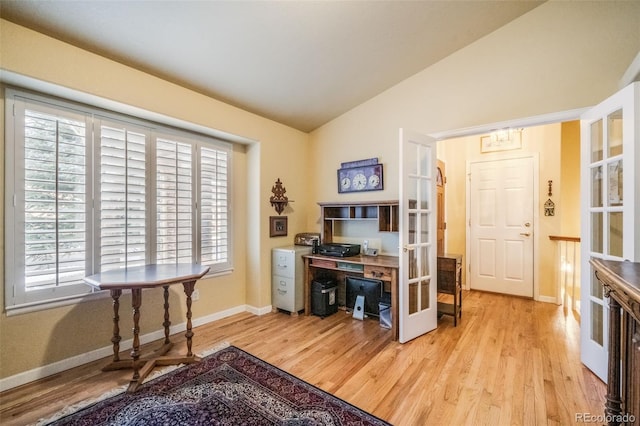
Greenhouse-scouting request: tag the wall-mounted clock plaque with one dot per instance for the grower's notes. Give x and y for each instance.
(359, 179)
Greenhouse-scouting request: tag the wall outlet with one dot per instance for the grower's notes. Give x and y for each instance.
(195, 295)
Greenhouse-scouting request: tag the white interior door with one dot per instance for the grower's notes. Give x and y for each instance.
(501, 226)
(417, 292)
(609, 224)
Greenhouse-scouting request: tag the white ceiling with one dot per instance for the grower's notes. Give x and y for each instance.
(301, 63)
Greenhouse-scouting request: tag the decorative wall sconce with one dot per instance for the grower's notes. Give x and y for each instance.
(549, 206)
(279, 200)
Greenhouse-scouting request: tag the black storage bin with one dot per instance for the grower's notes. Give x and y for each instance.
(385, 310)
(324, 300)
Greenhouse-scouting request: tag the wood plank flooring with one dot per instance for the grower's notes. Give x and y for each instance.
(510, 361)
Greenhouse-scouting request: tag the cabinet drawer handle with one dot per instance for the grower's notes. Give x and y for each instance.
(377, 274)
(282, 291)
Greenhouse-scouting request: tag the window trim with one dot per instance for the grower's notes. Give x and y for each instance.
(91, 114)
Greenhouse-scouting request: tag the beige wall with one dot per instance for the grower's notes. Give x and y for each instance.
(570, 176)
(60, 333)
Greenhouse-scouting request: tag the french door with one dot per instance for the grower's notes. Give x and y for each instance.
(418, 236)
(610, 205)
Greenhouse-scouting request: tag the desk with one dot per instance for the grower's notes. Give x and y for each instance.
(383, 268)
(135, 279)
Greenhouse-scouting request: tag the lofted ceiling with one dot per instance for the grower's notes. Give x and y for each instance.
(301, 63)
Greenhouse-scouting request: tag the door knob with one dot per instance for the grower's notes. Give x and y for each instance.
(406, 249)
(525, 234)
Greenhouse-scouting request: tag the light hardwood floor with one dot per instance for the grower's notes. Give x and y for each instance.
(510, 361)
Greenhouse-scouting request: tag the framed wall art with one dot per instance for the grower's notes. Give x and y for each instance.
(278, 226)
(502, 140)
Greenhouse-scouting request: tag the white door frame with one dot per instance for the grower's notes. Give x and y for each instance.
(536, 198)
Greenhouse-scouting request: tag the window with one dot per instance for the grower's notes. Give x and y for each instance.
(88, 191)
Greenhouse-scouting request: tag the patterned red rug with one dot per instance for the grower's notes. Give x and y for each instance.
(229, 387)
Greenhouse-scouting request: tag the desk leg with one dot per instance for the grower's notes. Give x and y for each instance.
(115, 295)
(188, 290)
(136, 301)
(307, 287)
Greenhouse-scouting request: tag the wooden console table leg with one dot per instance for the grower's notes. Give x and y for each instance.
(166, 322)
(115, 295)
(188, 290)
(136, 301)
(613, 405)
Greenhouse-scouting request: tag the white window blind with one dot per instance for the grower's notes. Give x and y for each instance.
(88, 191)
(214, 206)
(174, 196)
(55, 165)
(122, 192)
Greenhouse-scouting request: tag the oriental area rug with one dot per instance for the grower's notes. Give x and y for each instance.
(228, 387)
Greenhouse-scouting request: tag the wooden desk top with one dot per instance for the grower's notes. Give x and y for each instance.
(381, 260)
(147, 276)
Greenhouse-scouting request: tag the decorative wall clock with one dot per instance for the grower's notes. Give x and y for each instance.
(359, 179)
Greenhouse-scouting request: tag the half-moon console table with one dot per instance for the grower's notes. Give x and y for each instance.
(621, 282)
(135, 279)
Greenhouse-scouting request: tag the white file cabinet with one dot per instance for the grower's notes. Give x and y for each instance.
(287, 281)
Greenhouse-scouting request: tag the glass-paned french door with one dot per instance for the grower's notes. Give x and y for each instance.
(609, 149)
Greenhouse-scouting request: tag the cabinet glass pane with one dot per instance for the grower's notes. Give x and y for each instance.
(596, 141)
(614, 133)
(616, 234)
(596, 186)
(596, 232)
(597, 326)
(614, 188)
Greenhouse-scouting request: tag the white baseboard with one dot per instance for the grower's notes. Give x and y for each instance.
(75, 361)
(259, 311)
(548, 299)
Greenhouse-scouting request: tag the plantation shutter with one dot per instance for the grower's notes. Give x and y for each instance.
(174, 201)
(55, 201)
(214, 205)
(122, 192)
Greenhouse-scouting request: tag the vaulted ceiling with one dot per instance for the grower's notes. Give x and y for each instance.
(301, 63)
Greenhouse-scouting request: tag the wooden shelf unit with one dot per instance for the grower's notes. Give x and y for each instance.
(385, 213)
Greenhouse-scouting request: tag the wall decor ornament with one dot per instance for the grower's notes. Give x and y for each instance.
(550, 206)
(279, 200)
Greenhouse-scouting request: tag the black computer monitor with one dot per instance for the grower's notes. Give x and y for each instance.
(370, 289)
